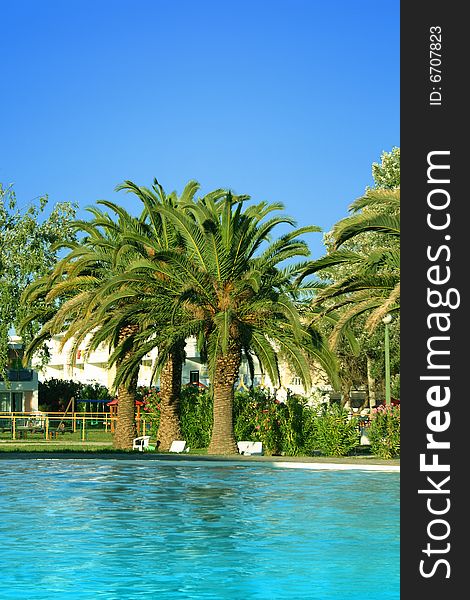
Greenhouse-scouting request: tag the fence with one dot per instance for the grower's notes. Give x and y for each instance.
(50, 426)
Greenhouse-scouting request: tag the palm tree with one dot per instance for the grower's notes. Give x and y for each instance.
(108, 306)
(366, 277)
(149, 299)
(73, 290)
(229, 291)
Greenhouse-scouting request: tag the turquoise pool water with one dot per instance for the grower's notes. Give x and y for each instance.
(109, 530)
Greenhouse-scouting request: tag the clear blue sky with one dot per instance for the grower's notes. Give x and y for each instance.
(284, 100)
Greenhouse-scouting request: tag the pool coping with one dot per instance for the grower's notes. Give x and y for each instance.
(293, 462)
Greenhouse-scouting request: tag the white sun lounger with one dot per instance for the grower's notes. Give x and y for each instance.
(178, 446)
(250, 448)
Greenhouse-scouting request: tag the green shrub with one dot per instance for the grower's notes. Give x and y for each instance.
(257, 418)
(151, 408)
(291, 428)
(196, 416)
(331, 432)
(384, 432)
(395, 385)
(291, 420)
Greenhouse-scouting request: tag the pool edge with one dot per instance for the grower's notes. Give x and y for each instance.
(313, 463)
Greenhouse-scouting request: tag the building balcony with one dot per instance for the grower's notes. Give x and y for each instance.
(19, 380)
(19, 375)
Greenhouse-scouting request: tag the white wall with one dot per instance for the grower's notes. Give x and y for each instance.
(93, 368)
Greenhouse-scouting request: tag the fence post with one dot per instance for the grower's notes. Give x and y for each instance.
(13, 427)
(83, 429)
(46, 431)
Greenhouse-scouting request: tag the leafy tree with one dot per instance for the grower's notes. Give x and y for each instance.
(360, 276)
(27, 250)
(387, 174)
(55, 394)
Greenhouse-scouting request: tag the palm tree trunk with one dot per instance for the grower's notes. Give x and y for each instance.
(125, 423)
(170, 393)
(126, 429)
(345, 389)
(226, 372)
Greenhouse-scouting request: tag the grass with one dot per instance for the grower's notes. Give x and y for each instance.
(52, 446)
(21, 449)
(68, 445)
(95, 441)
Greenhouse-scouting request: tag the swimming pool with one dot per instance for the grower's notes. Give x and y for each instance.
(112, 530)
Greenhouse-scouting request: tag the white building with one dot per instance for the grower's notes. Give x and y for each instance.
(20, 392)
(93, 368)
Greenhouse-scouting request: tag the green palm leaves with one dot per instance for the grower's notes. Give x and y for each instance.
(77, 291)
(223, 283)
(363, 266)
(208, 267)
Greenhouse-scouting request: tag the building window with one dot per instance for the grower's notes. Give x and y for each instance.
(193, 377)
(5, 402)
(17, 401)
(296, 381)
(11, 401)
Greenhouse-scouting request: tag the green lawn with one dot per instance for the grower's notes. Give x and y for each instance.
(95, 440)
(53, 446)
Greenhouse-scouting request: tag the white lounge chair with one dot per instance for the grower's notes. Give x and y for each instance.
(141, 443)
(178, 446)
(250, 448)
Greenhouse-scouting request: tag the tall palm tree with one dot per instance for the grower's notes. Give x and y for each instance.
(111, 308)
(227, 288)
(149, 298)
(72, 291)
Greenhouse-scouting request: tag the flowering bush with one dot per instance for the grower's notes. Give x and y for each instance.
(384, 432)
(151, 408)
(260, 417)
(256, 418)
(292, 427)
(331, 432)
